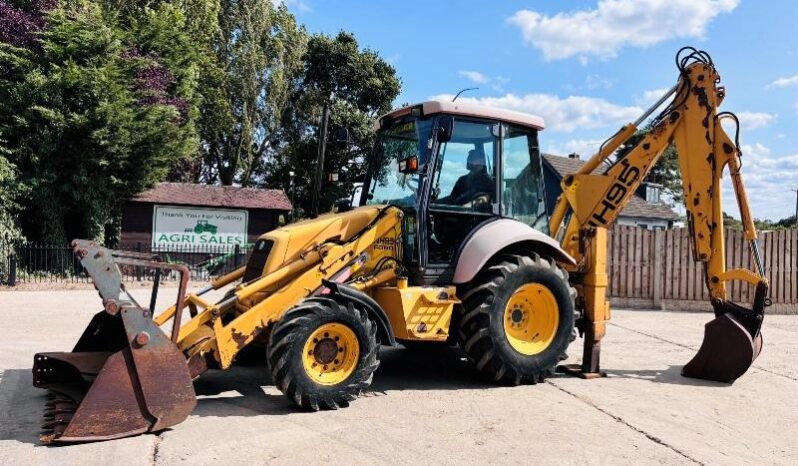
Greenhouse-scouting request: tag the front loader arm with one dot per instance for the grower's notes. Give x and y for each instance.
(592, 201)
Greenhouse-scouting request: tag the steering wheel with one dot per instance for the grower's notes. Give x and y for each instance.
(480, 202)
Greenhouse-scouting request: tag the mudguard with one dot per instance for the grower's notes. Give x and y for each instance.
(364, 301)
(491, 238)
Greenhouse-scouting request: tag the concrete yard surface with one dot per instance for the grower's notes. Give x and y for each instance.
(432, 409)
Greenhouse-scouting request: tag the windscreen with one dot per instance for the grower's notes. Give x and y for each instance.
(400, 140)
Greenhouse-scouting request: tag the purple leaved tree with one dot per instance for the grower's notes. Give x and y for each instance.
(18, 27)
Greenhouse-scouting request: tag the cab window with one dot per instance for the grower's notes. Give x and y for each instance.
(522, 188)
(466, 174)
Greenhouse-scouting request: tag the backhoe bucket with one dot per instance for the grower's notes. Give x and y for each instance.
(732, 341)
(124, 377)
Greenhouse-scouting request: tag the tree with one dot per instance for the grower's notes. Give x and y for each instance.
(759, 224)
(789, 222)
(358, 85)
(255, 63)
(10, 190)
(92, 113)
(665, 171)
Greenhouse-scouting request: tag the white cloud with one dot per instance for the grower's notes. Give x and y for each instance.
(561, 114)
(784, 82)
(758, 151)
(754, 120)
(474, 76)
(592, 82)
(768, 183)
(615, 24)
(498, 83)
(584, 147)
(649, 97)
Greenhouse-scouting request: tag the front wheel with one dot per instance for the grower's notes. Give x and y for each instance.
(518, 319)
(323, 354)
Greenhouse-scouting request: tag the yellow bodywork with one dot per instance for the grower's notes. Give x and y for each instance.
(301, 256)
(355, 247)
(418, 313)
(594, 200)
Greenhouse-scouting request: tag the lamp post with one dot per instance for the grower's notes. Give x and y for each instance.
(325, 120)
(796, 206)
(291, 189)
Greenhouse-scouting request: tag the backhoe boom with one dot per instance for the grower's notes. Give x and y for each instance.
(592, 201)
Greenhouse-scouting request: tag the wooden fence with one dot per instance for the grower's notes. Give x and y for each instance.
(656, 267)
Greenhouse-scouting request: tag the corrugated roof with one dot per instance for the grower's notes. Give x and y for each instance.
(637, 206)
(215, 196)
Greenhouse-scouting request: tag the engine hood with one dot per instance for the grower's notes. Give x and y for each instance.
(288, 242)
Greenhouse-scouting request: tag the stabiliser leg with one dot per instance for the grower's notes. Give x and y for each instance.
(596, 307)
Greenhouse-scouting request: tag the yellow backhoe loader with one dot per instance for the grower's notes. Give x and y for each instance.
(449, 242)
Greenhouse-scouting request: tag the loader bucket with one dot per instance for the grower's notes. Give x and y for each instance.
(732, 341)
(124, 377)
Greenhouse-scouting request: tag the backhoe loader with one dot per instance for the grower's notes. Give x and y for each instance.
(450, 242)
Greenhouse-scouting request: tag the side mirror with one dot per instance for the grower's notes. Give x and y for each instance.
(342, 135)
(409, 165)
(347, 204)
(343, 205)
(357, 192)
(445, 128)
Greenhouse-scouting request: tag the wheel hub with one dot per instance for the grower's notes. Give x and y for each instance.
(325, 351)
(531, 317)
(331, 353)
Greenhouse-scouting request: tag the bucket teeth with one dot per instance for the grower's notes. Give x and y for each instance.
(51, 433)
(57, 414)
(50, 424)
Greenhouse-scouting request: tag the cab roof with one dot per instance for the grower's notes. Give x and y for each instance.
(467, 109)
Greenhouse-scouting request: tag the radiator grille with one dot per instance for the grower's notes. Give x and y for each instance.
(257, 260)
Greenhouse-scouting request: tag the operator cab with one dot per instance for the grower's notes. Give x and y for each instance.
(452, 167)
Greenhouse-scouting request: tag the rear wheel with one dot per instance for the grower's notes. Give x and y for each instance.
(518, 319)
(323, 354)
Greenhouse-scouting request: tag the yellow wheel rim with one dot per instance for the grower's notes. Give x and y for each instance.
(531, 318)
(330, 354)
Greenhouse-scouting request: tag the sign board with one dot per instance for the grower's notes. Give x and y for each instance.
(197, 226)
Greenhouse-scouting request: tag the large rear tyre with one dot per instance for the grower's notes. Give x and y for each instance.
(518, 319)
(323, 354)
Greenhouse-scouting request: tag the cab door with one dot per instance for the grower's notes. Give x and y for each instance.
(464, 193)
(522, 185)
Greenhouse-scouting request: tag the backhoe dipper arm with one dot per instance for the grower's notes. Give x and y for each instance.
(591, 202)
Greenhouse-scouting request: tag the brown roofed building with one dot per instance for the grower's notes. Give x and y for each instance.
(645, 209)
(188, 214)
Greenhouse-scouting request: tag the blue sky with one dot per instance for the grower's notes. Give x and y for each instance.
(589, 66)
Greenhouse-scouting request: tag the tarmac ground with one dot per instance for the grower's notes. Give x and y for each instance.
(432, 409)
